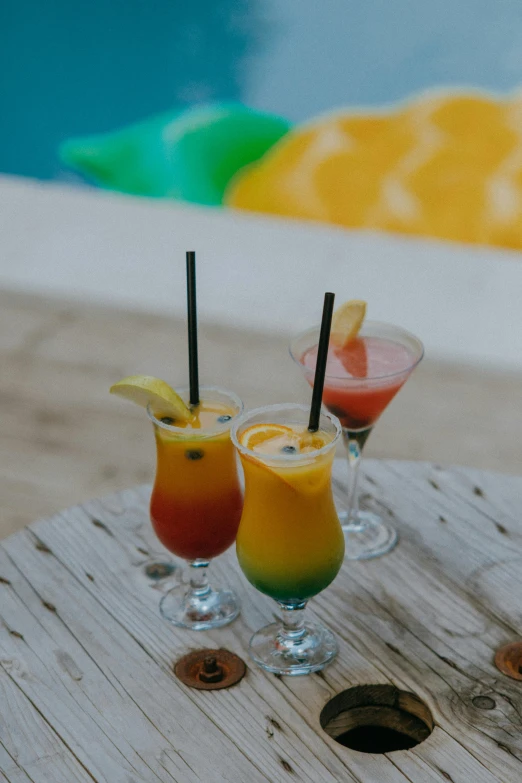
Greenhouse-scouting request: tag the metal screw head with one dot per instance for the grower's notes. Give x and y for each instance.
(210, 669)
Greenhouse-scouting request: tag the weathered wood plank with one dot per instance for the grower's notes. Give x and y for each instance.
(240, 723)
(30, 749)
(481, 775)
(242, 712)
(99, 655)
(99, 688)
(421, 589)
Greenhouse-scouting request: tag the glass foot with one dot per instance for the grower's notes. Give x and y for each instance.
(312, 651)
(199, 613)
(372, 537)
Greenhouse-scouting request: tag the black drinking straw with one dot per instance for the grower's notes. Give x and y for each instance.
(320, 366)
(192, 328)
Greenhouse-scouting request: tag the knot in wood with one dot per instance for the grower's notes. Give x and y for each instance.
(157, 571)
(484, 703)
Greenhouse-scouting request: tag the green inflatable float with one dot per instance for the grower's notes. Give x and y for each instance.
(189, 155)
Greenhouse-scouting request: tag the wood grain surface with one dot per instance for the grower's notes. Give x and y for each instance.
(87, 688)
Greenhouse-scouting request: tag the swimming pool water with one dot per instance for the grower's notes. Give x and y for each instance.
(74, 68)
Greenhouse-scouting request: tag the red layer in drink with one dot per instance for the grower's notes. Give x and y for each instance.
(196, 530)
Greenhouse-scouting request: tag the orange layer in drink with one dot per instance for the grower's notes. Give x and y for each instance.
(290, 543)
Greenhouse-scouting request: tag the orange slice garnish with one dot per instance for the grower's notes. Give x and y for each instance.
(267, 435)
(347, 321)
(271, 438)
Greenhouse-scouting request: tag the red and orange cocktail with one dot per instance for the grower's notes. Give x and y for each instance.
(196, 503)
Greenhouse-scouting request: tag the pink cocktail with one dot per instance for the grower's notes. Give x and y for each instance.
(361, 380)
(368, 361)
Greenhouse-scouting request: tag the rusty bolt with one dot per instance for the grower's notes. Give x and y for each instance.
(210, 670)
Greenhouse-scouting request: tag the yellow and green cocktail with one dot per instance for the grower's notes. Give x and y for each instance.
(290, 544)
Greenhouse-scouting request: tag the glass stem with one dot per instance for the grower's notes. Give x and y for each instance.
(198, 580)
(293, 629)
(354, 441)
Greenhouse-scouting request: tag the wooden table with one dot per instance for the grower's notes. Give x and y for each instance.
(88, 693)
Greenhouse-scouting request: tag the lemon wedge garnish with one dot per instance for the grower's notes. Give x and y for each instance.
(146, 390)
(346, 322)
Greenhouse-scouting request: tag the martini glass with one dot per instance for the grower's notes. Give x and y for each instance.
(361, 380)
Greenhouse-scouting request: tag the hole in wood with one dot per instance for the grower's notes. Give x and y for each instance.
(377, 719)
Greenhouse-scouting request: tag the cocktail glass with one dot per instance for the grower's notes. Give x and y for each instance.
(359, 384)
(196, 505)
(290, 544)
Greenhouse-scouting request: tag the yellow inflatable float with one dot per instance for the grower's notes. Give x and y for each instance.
(444, 165)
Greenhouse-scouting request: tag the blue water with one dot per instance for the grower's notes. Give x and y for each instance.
(72, 67)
